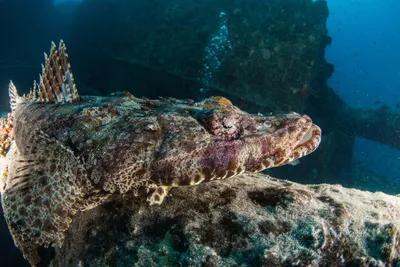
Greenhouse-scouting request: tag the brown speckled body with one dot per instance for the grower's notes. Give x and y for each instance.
(70, 154)
(169, 143)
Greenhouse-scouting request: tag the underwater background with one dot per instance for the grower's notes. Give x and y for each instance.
(362, 48)
(364, 52)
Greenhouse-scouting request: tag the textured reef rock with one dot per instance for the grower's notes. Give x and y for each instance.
(249, 220)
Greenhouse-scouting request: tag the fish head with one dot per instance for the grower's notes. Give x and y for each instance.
(280, 139)
(229, 141)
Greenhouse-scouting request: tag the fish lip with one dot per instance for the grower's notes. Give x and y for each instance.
(311, 138)
(306, 137)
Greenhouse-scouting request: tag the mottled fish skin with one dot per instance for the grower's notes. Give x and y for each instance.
(69, 153)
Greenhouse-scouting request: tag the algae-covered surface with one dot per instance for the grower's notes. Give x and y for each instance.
(250, 220)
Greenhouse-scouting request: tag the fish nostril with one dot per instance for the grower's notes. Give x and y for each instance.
(267, 124)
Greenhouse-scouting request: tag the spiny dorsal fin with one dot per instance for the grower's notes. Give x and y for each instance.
(57, 84)
(12, 92)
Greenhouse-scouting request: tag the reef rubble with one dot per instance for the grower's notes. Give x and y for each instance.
(250, 220)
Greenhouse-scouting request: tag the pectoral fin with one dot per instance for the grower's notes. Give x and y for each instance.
(46, 185)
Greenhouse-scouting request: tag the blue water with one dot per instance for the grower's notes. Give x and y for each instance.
(57, 2)
(365, 52)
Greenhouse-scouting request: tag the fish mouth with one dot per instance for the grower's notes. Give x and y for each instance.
(310, 134)
(309, 141)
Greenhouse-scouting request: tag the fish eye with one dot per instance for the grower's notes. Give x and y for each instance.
(228, 122)
(227, 126)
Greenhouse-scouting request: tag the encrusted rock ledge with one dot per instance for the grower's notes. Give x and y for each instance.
(250, 220)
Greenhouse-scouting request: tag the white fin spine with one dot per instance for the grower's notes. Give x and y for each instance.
(34, 90)
(14, 98)
(53, 47)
